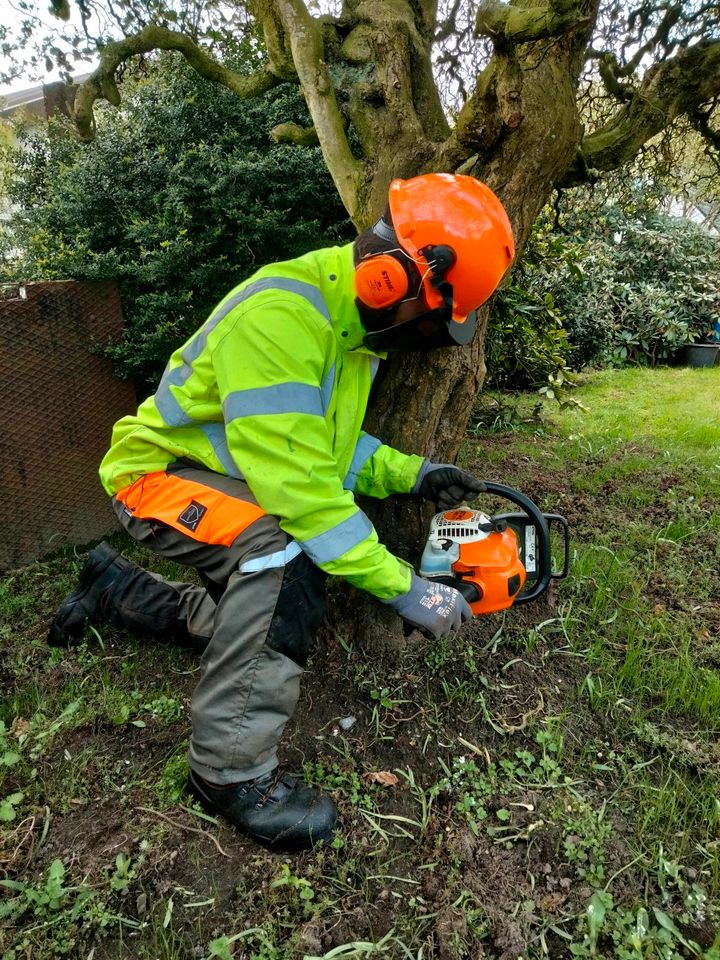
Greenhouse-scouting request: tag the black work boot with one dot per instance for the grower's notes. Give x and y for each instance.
(103, 566)
(274, 810)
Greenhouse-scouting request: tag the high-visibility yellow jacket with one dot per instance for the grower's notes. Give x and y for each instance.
(273, 389)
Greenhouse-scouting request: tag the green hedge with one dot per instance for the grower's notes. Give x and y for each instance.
(182, 195)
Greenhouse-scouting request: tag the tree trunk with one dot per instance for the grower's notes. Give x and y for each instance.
(423, 403)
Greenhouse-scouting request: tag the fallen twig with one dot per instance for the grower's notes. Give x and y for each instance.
(481, 753)
(182, 826)
(8, 862)
(526, 717)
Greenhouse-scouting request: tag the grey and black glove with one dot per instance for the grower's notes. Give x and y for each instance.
(434, 608)
(446, 486)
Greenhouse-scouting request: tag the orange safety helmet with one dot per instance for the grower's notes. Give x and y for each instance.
(463, 214)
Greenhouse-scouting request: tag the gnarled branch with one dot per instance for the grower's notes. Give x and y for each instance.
(478, 125)
(700, 119)
(294, 133)
(277, 42)
(306, 45)
(393, 39)
(669, 90)
(504, 24)
(102, 82)
(610, 73)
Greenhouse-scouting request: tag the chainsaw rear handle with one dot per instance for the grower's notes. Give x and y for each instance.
(543, 555)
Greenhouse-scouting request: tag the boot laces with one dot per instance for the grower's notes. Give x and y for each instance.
(278, 778)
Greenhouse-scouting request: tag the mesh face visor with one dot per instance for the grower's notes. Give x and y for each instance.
(427, 331)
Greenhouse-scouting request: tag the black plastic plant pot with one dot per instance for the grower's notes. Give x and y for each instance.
(701, 354)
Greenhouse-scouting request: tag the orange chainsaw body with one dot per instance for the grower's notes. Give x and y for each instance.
(465, 552)
(492, 564)
(490, 559)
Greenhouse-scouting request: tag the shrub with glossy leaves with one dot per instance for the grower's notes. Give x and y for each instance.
(526, 343)
(614, 285)
(654, 280)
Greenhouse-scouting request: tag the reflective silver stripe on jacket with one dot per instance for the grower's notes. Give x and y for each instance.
(364, 449)
(168, 407)
(336, 541)
(278, 559)
(278, 398)
(215, 433)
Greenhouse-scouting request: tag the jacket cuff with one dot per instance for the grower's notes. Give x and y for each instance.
(427, 465)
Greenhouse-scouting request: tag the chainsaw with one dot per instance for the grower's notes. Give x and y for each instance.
(495, 562)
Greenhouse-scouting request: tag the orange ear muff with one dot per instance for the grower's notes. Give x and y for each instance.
(380, 281)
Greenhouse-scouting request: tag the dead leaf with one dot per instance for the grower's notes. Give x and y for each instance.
(383, 777)
(19, 726)
(551, 901)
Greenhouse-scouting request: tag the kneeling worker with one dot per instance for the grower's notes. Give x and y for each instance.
(244, 463)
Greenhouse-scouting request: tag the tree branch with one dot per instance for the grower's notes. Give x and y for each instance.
(661, 36)
(60, 8)
(700, 119)
(294, 133)
(610, 72)
(504, 24)
(425, 12)
(276, 41)
(478, 125)
(669, 90)
(102, 82)
(306, 44)
(394, 40)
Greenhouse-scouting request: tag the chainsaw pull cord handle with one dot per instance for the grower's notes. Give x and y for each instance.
(543, 556)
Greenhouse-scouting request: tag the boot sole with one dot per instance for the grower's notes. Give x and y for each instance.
(208, 806)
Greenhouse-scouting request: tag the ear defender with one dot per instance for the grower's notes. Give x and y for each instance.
(380, 281)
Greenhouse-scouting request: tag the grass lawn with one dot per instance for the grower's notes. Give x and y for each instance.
(551, 776)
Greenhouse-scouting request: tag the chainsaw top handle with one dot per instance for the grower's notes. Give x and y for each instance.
(544, 557)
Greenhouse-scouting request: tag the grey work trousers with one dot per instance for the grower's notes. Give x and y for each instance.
(257, 619)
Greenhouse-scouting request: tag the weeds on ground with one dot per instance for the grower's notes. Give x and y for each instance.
(545, 783)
